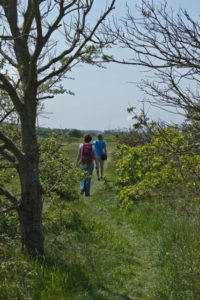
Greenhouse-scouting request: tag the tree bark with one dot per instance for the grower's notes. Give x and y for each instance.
(30, 211)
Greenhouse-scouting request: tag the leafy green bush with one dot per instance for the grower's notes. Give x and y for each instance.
(59, 176)
(164, 164)
(141, 131)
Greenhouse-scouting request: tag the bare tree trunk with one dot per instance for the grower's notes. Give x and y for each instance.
(30, 212)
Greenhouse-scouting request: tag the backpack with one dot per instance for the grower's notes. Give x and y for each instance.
(87, 153)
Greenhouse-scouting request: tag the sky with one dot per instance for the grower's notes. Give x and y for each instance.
(102, 96)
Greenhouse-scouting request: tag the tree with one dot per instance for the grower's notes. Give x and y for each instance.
(166, 44)
(75, 133)
(40, 42)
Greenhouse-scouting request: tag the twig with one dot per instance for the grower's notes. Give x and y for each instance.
(5, 210)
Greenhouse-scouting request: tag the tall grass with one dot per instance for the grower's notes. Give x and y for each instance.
(97, 251)
(175, 242)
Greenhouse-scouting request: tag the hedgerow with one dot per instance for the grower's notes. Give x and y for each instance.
(166, 163)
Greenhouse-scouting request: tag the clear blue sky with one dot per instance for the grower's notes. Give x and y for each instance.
(103, 95)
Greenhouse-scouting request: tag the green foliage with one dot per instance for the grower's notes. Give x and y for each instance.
(174, 243)
(161, 179)
(56, 276)
(75, 133)
(59, 176)
(6, 108)
(8, 174)
(141, 131)
(179, 260)
(143, 171)
(94, 250)
(107, 57)
(90, 54)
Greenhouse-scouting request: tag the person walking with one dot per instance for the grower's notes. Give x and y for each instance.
(101, 155)
(85, 160)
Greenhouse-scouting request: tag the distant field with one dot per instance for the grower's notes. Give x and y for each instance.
(72, 146)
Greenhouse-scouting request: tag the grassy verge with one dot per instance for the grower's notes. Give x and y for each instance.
(97, 251)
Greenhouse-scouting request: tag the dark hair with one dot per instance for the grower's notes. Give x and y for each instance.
(87, 138)
(100, 136)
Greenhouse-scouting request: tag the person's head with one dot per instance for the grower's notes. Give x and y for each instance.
(100, 137)
(87, 138)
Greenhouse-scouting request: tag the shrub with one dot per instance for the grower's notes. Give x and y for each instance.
(58, 175)
(164, 164)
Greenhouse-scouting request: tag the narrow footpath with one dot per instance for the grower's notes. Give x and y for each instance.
(120, 260)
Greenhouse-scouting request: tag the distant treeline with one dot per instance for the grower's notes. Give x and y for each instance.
(66, 132)
(45, 132)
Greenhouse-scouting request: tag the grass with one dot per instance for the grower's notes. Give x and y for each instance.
(97, 251)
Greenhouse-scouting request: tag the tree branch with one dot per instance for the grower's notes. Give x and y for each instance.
(7, 114)
(9, 196)
(8, 144)
(77, 53)
(8, 87)
(8, 58)
(168, 44)
(14, 207)
(28, 19)
(7, 155)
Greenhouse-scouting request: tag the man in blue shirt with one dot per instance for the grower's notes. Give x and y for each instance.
(101, 155)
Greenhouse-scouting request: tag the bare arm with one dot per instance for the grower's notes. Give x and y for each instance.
(105, 149)
(78, 156)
